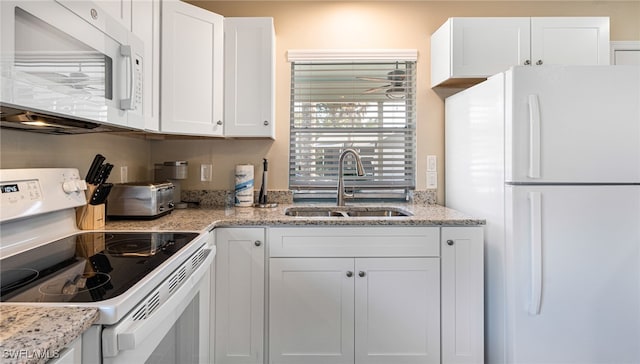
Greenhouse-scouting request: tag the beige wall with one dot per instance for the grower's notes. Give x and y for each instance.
(31, 150)
(300, 25)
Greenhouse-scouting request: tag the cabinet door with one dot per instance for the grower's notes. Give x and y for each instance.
(570, 40)
(145, 24)
(71, 354)
(120, 10)
(397, 317)
(625, 53)
(239, 286)
(311, 310)
(485, 46)
(249, 108)
(192, 70)
(462, 295)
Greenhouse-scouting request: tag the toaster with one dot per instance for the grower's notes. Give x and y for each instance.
(146, 200)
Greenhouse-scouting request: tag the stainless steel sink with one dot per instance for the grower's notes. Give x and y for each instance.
(346, 211)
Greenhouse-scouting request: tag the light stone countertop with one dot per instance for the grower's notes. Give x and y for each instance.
(35, 334)
(202, 219)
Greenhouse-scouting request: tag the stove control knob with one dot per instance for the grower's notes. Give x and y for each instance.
(70, 186)
(74, 185)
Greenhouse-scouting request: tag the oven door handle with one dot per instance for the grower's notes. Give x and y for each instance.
(131, 335)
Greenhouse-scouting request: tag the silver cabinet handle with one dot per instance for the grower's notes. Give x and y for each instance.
(527, 62)
(219, 122)
(94, 14)
(266, 122)
(539, 62)
(349, 274)
(257, 243)
(450, 242)
(361, 274)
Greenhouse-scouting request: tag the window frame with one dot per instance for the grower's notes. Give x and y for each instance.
(374, 191)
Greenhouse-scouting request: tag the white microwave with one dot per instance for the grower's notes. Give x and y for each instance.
(67, 67)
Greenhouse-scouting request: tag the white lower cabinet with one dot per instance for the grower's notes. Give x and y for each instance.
(397, 316)
(354, 295)
(71, 354)
(239, 308)
(338, 295)
(462, 290)
(376, 310)
(311, 310)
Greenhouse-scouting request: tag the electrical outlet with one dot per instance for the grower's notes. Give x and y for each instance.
(124, 174)
(432, 163)
(206, 172)
(432, 180)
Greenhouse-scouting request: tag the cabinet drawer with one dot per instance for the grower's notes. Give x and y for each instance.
(354, 242)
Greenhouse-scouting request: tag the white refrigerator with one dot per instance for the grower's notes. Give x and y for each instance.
(550, 156)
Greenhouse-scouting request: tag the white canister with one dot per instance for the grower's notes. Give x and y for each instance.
(244, 185)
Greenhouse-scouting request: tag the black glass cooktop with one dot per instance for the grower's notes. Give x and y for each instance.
(87, 267)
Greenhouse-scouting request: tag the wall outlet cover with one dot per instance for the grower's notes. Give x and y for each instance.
(124, 174)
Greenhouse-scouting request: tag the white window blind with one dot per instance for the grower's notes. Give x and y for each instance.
(368, 106)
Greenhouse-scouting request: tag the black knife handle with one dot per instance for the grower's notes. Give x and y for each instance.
(104, 173)
(100, 194)
(99, 177)
(95, 166)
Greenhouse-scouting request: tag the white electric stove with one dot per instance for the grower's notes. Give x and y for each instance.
(151, 287)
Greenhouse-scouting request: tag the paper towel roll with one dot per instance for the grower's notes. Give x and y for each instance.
(244, 185)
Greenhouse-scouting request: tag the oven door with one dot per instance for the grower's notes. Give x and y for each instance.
(69, 59)
(175, 331)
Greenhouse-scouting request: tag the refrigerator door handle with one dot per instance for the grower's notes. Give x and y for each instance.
(535, 209)
(534, 136)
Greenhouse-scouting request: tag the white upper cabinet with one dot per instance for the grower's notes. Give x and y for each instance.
(579, 41)
(120, 10)
(625, 53)
(478, 47)
(249, 77)
(465, 51)
(191, 70)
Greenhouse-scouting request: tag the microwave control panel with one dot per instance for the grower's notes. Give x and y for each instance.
(139, 82)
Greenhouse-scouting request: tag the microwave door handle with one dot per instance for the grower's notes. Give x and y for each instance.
(127, 103)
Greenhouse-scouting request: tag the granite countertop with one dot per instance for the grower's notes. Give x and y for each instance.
(35, 334)
(201, 218)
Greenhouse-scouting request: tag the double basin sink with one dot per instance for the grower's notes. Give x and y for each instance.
(346, 211)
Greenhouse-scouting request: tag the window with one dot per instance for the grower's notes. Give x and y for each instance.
(365, 105)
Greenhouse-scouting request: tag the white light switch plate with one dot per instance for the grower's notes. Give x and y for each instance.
(432, 180)
(431, 163)
(206, 172)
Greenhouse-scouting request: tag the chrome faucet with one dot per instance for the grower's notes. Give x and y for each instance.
(359, 168)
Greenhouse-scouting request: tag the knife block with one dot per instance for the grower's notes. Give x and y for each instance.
(90, 217)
